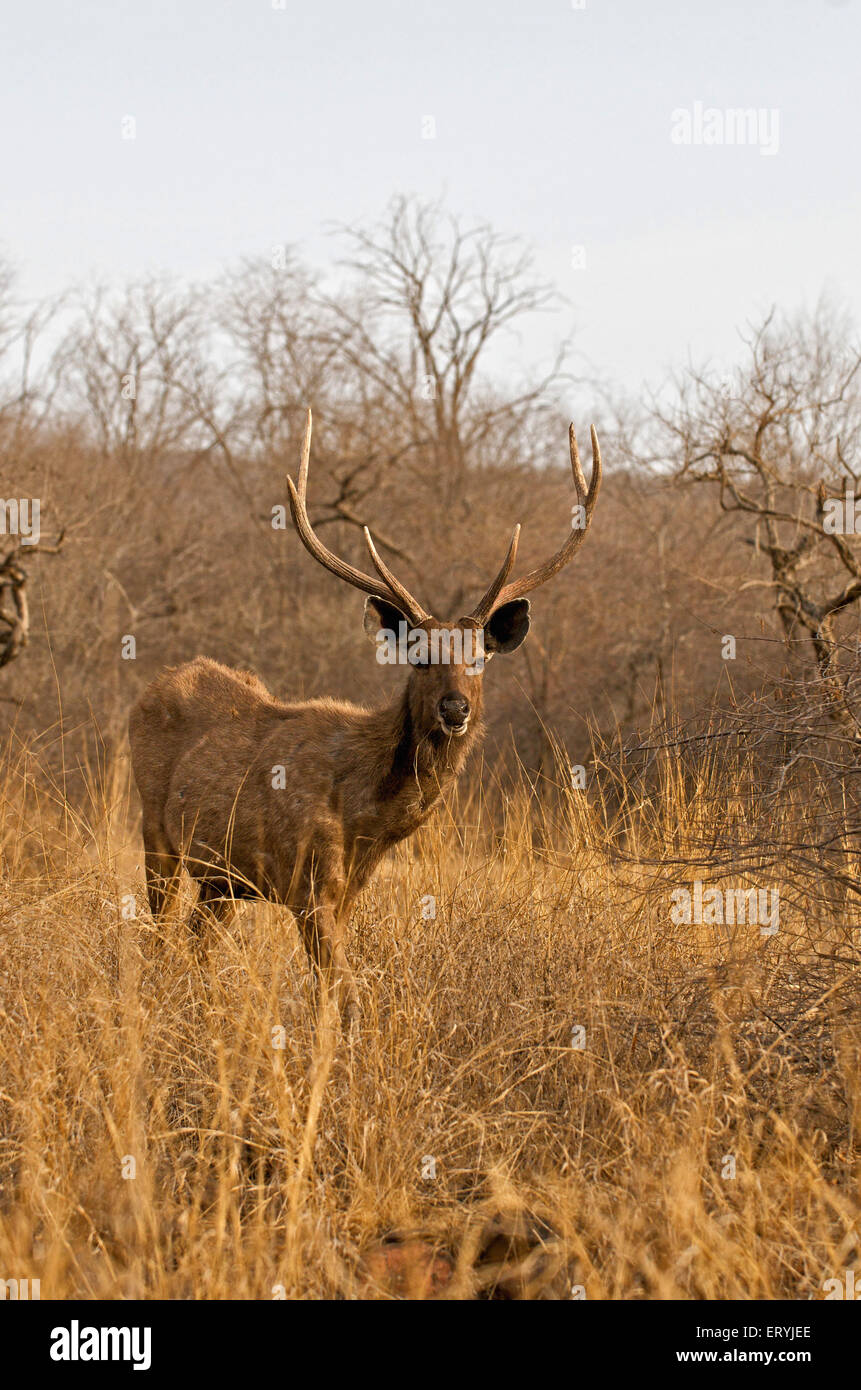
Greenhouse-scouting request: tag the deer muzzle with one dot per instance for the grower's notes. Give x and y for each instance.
(453, 715)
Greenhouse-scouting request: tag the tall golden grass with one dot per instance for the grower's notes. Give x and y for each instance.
(483, 948)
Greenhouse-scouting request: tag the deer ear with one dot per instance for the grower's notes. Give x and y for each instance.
(379, 613)
(508, 626)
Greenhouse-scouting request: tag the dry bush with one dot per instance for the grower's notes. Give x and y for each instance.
(159, 427)
(259, 1166)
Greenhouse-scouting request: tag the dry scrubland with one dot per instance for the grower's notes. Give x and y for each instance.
(258, 1167)
(154, 423)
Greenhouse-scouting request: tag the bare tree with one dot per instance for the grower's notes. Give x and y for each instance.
(14, 606)
(432, 298)
(126, 358)
(270, 319)
(28, 375)
(778, 440)
(396, 367)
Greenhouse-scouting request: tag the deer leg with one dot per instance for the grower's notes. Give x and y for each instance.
(162, 872)
(322, 927)
(212, 906)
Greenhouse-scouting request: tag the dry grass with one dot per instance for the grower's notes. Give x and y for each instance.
(259, 1166)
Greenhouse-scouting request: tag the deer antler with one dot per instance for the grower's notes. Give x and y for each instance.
(500, 592)
(387, 586)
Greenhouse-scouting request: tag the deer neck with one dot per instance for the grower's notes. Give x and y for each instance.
(418, 763)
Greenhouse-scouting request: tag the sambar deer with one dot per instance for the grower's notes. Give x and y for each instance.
(297, 801)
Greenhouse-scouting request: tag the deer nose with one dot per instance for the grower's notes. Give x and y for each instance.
(454, 709)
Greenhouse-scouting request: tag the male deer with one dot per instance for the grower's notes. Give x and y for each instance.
(298, 801)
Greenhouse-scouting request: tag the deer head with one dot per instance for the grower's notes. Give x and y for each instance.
(447, 660)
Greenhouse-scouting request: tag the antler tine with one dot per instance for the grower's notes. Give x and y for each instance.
(391, 580)
(305, 459)
(576, 466)
(485, 607)
(390, 588)
(504, 593)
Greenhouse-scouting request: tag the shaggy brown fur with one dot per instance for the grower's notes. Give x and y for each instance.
(296, 802)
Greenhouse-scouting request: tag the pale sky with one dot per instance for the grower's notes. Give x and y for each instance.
(258, 125)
